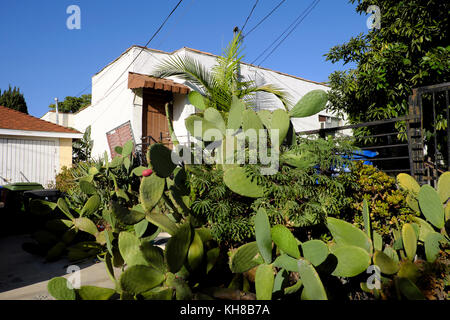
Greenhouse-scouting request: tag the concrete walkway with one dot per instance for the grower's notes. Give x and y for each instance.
(24, 276)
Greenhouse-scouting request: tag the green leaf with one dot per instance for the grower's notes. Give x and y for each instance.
(409, 240)
(154, 256)
(177, 248)
(409, 289)
(213, 116)
(87, 188)
(162, 221)
(138, 279)
(315, 251)
(432, 247)
(280, 121)
(211, 258)
(235, 114)
(385, 263)
(161, 160)
(197, 100)
(245, 258)
(126, 216)
(352, 260)
(140, 228)
(86, 225)
(377, 241)
(366, 218)
(408, 183)
(151, 191)
(263, 235)
(62, 205)
(285, 241)
(286, 262)
(310, 104)
(236, 179)
(127, 149)
(313, 286)
(138, 171)
(264, 280)
(346, 234)
(91, 206)
(61, 289)
(443, 186)
(431, 206)
(250, 120)
(95, 293)
(130, 249)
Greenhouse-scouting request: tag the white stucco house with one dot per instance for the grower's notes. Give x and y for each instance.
(128, 103)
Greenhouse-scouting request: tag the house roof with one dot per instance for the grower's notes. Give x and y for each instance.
(137, 80)
(208, 54)
(16, 120)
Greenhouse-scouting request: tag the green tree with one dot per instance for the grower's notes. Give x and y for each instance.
(73, 104)
(222, 81)
(408, 51)
(13, 99)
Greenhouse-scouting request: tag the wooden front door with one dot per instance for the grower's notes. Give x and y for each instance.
(154, 120)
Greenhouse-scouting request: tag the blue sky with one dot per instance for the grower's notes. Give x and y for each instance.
(45, 59)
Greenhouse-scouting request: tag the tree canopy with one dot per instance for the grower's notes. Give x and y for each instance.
(411, 49)
(13, 99)
(72, 104)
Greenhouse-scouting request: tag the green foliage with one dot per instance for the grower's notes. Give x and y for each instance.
(408, 51)
(82, 148)
(13, 99)
(72, 104)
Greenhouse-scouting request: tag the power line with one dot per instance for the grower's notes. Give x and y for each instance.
(268, 15)
(293, 25)
(146, 45)
(249, 15)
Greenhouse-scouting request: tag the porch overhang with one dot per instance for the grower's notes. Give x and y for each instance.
(137, 81)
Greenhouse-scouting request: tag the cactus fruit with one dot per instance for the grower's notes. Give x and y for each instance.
(138, 279)
(385, 263)
(95, 293)
(147, 172)
(310, 104)
(431, 206)
(177, 248)
(151, 191)
(408, 183)
(129, 247)
(345, 233)
(138, 171)
(245, 258)
(285, 241)
(352, 260)
(195, 253)
(315, 251)
(313, 287)
(236, 179)
(264, 280)
(161, 160)
(263, 235)
(197, 100)
(61, 289)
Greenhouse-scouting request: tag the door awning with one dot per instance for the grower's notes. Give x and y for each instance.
(137, 80)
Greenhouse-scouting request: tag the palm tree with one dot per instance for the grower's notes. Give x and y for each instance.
(222, 81)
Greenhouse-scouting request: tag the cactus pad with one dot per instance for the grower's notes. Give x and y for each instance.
(431, 206)
(310, 104)
(236, 179)
(285, 241)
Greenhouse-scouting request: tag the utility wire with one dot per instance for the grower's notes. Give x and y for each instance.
(249, 15)
(293, 25)
(268, 15)
(146, 45)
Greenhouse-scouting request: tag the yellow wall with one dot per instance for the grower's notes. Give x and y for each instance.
(65, 153)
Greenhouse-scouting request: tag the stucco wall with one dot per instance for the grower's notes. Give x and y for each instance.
(65, 119)
(65, 153)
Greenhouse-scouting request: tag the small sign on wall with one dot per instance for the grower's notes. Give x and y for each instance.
(117, 137)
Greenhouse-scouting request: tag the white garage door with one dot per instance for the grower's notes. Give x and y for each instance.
(25, 160)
